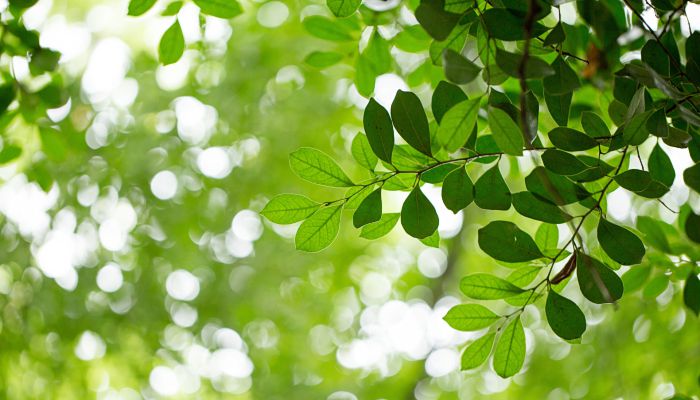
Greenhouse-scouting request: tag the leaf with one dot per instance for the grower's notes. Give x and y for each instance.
(691, 177)
(370, 210)
(692, 227)
(633, 279)
(656, 123)
(458, 69)
(319, 231)
(470, 317)
(139, 7)
(324, 28)
(563, 80)
(438, 174)
(457, 190)
(555, 188)
(571, 140)
(418, 216)
(593, 125)
(356, 195)
(555, 36)
(458, 124)
(445, 96)
(562, 162)
(432, 240)
(172, 45)
(410, 121)
(365, 75)
(380, 132)
(172, 9)
(654, 56)
(220, 8)
(655, 287)
(564, 316)
(510, 64)
(509, 356)
(547, 236)
(619, 243)
(505, 132)
(362, 152)
(558, 106)
(478, 351)
(660, 166)
(598, 283)
(504, 241)
(634, 180)
(375, 230)
(487, 287)
(343, 8)
(317, 167)
(435, 20)
(323, 59)
(529, 205)
(691, 293)
(9, 152)
(502, 25)
(491, 191)
(289, 208)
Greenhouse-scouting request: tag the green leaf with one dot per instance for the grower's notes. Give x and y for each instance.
(635, 132)
(487, 287)
(319, 231)
(558, 106)
(692, 227)
(509, 356)
(491, 191)
(370, 210)
(571, 140)
(418, 216)
(619, 243)
(362, 152)
(660, 166)
(343, 8)
(324, 28)
(458, 69)
(172, 9)
(523, 276)
(172, 44)
(139, 7)
(564, 316)
(555, 36)
(691, 293)
(470, 317)
(503, 25)
(289, 208)
(477, 352)
(375, 230)
(220, 8)
(9, 153)
(356, 194)
(445, 96)
(432, 240)
(657, 124)
(365, 75)
(547, 236)
(458, 124)
(563, 80)
(504, 241)
(318, 167)
(510, 64)
(655, 287)
(438, 174)
(457, 190)
(654, 56)
(634, 180)
(435, 20)
(323, 59)
(562, 162)
(380, 132)
(598, 283)
(555, 188)
(593, 125)
(691, 177)
(635, 278)
(410, 121)
(529, 205)
(505, 132)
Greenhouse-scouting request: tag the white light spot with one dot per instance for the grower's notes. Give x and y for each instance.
(182, 285)
(272, 14)
(214, 162)
(110, 278)
(441, 362)
(385, 88)
(246, 225)
(432, 262)
(90, 346)
(231, 362)
(164, 185)
(164, 381)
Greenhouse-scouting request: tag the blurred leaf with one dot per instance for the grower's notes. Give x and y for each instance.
(219, 8)
(139, 7)
(691, 293)
(343, 8)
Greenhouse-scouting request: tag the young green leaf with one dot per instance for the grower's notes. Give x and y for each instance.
(9, 152)
(323, 59)
(418, 216)
(598, 283)
(619, 243)
(531, 206)
(487, 287)
(375, 230)
(380, 132)
(458, 124)
(457, 190)
(458, 69)
(289, 208)
(571, 140)
(432, 240)
(478, 351)
(509, 356)
(139, 7)
(547, 236)
(317, 167)
(691, 293)
(319, 231)
(445, 96)
(410, 121)
(343, 8)
(324, 28)
(370, 210)
(219, 8)
(504, 241)
(491, 191)
(470, 317)
(362, 152)
(172, 44)
(564, 316)
(506, 132)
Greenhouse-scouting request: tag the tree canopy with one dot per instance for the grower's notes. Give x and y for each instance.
(350, 199)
